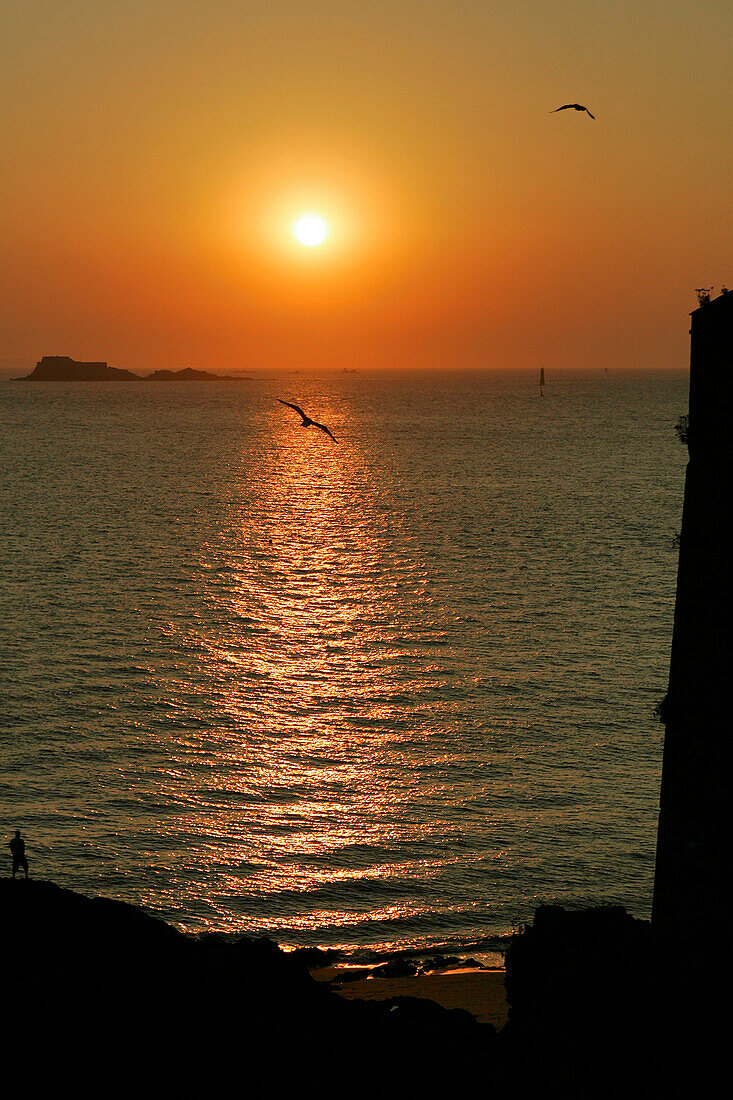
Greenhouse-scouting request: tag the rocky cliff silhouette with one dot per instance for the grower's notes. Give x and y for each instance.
(99, 993)
(101, 996)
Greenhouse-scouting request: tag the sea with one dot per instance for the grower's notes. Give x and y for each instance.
(387, 693)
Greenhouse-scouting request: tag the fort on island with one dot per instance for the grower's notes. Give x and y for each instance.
(61, 368)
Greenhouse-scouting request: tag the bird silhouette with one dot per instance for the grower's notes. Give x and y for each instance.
(574, 106)
(307, 422)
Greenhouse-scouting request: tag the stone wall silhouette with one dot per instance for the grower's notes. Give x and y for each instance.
(697, 710)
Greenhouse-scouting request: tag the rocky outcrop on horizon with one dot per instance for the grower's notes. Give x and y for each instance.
(188, 374)
(60, 368)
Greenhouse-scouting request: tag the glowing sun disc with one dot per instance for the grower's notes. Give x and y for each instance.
(310, 230)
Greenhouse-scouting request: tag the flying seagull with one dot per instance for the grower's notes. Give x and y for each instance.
(307, 422)
(574, 106)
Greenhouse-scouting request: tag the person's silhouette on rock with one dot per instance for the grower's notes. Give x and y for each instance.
(17, 847)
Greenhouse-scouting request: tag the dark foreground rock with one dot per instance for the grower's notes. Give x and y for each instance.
(600, 1006)
(103, 997)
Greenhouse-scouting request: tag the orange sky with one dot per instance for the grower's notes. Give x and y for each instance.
(155, 153)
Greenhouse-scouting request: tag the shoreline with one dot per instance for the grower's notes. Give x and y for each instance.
(478, 990)
(589, 989)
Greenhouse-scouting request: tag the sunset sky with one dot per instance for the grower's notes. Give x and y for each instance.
(156, 153)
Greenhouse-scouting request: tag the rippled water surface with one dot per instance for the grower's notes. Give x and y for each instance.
(396, 690)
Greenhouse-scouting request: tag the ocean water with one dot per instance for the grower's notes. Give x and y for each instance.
(394, 691)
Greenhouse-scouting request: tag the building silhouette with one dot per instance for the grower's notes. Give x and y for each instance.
(697, 711)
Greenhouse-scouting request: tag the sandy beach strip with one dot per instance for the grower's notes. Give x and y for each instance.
(480, 992)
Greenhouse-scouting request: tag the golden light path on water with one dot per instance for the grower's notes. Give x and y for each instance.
(397, 689)
(310, 717)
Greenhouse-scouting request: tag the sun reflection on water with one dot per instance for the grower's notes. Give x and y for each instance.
(306, 787)
(340, 692)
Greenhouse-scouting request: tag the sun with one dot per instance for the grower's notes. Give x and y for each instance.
(310, 229)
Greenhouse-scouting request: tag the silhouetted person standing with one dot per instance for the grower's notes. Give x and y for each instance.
(17, 847)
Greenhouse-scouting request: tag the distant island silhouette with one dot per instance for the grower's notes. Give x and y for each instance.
(60, 368)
